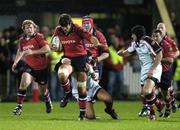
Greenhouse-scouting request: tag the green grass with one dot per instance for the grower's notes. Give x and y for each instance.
(35, 118)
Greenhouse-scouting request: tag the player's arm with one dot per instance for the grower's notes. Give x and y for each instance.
(167, 60)
(176, 54)
(175, 48)
(157, 61)
(103, 46)
(103, 56)
(88, 36)
(19, 55)
(124, 53)
(95, 41)
(43, 50)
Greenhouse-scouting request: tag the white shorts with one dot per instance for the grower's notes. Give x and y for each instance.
(157, 74)
(92, 88)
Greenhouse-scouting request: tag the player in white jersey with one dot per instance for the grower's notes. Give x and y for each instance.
(150, 56)
(95, 91)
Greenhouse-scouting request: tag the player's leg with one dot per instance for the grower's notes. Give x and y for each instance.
(26, 79)
(41, 76)
(173, 100)
(145, 109)
(102, 95)
(165, 87)
(167, 100)
(63, 75)
(90, 114)
(150, 96)
(81, 86)
(47, 98)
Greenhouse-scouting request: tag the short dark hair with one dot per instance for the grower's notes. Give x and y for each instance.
(157, 31)
(64, 20)
(139, 31)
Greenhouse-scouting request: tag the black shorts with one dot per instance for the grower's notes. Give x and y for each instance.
(156, 82)
(40, 76)
(166, 80)
(78, 63)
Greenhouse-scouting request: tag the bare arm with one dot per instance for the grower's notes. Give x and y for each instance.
(167, 60)
(157, 61)
(176, 54)
(19, 55)
(103, 56)
(124, 53)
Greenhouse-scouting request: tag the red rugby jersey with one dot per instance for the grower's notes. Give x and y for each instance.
(96, 50)
(167, 52)
(171, 42)
(37, 61)
(72, 43)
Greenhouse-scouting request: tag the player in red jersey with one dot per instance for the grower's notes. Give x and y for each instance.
(162, 27)
(32, 48)
(166, 77)
(97, 55)
(68, 37)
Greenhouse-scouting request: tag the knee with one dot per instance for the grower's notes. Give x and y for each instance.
(24, 85)
(146, 91)
(108, 99)
(63, 73)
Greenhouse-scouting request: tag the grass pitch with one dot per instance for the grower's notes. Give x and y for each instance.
(35, 118)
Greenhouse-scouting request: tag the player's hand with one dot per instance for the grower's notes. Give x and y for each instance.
(14, 66)
(28, 52)
(65, 61)
(54, 47)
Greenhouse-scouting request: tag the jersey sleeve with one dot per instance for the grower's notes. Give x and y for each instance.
(174, 47)
(156, 48)
(103, 41)
(168, 51)
(154, 45)
(83, 33)
(131, 48)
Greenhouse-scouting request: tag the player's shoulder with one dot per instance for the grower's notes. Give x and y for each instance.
(21, 38)
(99, 33)
(147, 39)
(165, 43)
(169, 39)
(38, 35)
(133, 44)
(78, 28)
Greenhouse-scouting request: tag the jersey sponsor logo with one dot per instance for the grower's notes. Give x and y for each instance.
(89, 45)
(27, 47)
(69, 42)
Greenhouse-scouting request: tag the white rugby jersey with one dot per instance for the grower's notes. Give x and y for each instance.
(147, 50)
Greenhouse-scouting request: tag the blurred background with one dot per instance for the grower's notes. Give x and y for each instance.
(114, 18)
